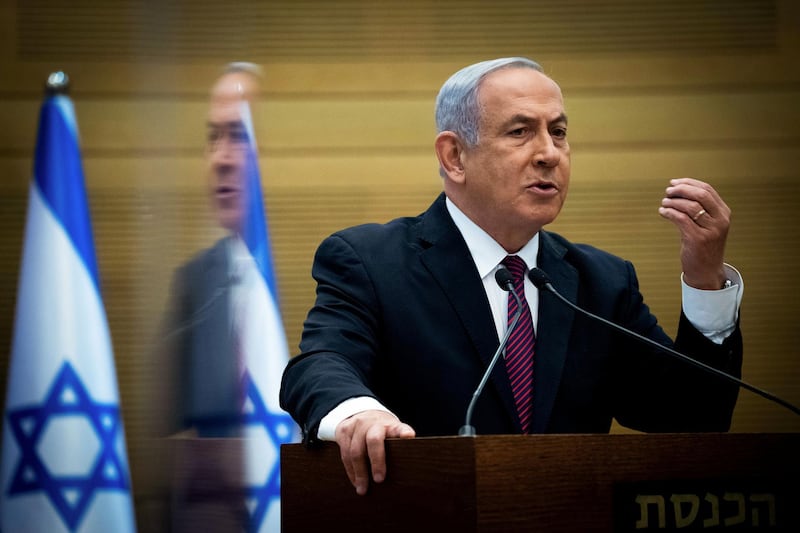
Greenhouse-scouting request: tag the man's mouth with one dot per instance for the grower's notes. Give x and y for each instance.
(543, 186)
(225, 191)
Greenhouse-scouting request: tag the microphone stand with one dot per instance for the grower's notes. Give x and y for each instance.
(503, 278)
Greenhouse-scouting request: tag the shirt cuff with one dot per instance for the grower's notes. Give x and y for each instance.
(346, 409)
(714, 313)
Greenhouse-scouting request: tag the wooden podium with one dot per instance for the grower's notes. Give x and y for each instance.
(553, 483)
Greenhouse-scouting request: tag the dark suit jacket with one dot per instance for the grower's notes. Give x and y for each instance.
(198, 349)
(401, 315)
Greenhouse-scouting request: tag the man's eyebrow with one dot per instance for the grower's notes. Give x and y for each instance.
(229, 124)
(527, 119)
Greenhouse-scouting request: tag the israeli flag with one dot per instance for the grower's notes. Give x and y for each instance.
(64, 462)
(265, 352)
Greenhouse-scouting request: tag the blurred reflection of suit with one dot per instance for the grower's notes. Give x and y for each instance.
(202, 347)
(200, 384)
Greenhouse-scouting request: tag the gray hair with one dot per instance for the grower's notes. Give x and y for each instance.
(246, 67)
(457, 107)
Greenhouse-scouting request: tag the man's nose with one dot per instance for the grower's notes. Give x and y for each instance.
(224, 151)
(546, 154)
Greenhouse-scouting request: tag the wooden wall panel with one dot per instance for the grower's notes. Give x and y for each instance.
(320, 30)
(378, 125)
(346, 132)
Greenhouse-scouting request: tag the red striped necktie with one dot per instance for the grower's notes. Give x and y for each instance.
(520, 347)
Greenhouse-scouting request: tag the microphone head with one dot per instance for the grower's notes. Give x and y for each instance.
(539, 278)
(504, 278)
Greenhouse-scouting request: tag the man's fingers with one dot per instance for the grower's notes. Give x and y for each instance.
(703, 219)
(376, 450)
(361, 439)
(348, 451)
(360, 467)
(400, 431)
(693, 189)
(693, 197)
(352, 449)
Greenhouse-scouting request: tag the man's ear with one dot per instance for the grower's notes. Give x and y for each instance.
(449, 151)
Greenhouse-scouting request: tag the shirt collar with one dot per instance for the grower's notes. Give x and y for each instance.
(486, 252)
(240, 261)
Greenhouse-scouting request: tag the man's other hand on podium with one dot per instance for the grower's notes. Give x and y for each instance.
(361, 439)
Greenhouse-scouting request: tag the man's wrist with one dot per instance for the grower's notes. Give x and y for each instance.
(346, 409)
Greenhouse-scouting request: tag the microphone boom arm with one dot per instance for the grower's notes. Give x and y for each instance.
(540, 279)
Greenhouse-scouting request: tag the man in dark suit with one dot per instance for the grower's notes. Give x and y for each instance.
(200, 334)
(408, 313)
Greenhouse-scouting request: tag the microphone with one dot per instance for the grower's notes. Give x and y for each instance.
(542, 282)
(506, 282)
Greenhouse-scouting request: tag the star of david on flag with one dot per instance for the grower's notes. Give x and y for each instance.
(64, 462)
(266, 425)
(266, 430)
(45, 427)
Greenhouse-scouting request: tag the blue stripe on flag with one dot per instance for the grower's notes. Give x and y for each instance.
(59, 175)
(254, 229)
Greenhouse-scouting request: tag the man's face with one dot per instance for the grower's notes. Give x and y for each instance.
(516, 178)
(226, 149)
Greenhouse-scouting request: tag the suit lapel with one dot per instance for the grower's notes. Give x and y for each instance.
(447, 258)
(215, 287)
(553, 331)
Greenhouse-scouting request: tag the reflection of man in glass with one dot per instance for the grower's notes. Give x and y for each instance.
(202, 352)
(228, 141)
(202, 341)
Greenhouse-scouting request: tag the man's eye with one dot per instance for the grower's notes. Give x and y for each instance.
(214, 136)
(560, 133)
(239, 136)
(518, 132)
